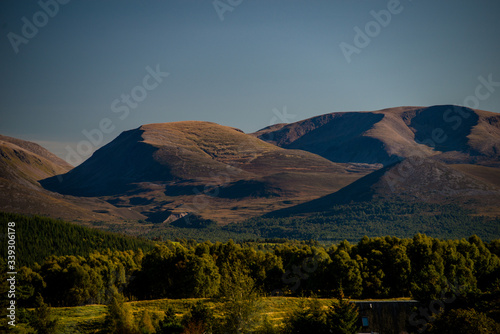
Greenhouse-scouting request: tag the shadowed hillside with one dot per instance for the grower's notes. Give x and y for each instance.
(168, 169)
(23, 164)
(149, 177)
(412, 180)
(448, 133)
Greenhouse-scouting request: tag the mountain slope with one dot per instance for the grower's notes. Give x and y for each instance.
(412, 180)
(23, 164)
(26, 162)
(448, 133)
(170, 168)
(184, 152)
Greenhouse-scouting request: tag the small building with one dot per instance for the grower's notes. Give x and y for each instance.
(385, 317)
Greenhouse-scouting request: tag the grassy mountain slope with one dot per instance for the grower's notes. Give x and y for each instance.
(448, 133)
(216, 171)
(412, 180)
(23, 164)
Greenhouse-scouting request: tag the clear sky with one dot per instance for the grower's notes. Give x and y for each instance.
(242, 64)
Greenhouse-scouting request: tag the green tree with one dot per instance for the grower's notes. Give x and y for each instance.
(343, 273)
(309, 317)
(464, 321)
(183, 274)
(427, 278)
(42, 320)
(170, 324)
(30, 283)
(119, 318)
(342, 318)
(239, 299)
(145, 323)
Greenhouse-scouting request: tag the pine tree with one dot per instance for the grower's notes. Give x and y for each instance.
(170, 324)
(146, 324)
(119, 319)
(42, 320)
(310, 317)
(342, 318)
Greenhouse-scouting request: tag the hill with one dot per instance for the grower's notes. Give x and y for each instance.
(412, 180)
(447, 133)
(166, 169)
(23, 165)
(26, 163)
(162, 178)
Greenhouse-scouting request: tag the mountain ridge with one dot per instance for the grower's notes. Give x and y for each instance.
(410, 180)
(148, 177)
(448, 133)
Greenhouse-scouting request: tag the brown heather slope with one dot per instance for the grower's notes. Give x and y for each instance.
(27, 162)
(22, 165)
(447, 133)
(412, 180)
(213, 170)
(486, 174)
(185, 152)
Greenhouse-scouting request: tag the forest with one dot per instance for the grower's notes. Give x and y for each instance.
(346, 222)
(114, 269)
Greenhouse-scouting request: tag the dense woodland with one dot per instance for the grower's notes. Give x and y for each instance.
(347, 222)
(40, 237)
(90, 267)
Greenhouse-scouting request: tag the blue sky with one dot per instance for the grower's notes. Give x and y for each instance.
(263, 58)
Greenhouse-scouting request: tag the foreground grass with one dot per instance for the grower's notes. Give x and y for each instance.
(89, 318)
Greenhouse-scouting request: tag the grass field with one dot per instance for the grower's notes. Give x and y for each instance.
(88, 319)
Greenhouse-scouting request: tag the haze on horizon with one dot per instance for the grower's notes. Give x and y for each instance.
(240, 63)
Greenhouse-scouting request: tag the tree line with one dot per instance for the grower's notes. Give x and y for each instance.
(40, 237)
(384, 267)
(111, 269)
(348, 222)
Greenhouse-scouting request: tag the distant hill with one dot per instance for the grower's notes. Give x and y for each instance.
(206, 174)
(412, 180)
(23, 164)
(447, 133)
(183, 151)
(159, 169)
(26, 163)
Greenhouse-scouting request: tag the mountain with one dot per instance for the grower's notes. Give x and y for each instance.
(447, 133)
(217, 171)
(26, 163)
(185, 152)
(23, 164)
(148, 178)
(412, 180)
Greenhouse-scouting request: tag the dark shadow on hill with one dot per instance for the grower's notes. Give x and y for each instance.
(358, 191)
(247, 188)
(339, 141)
(192, 220)
(445, 127)
(113, 169)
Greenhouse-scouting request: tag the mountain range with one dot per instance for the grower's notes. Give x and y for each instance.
(151, 176)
